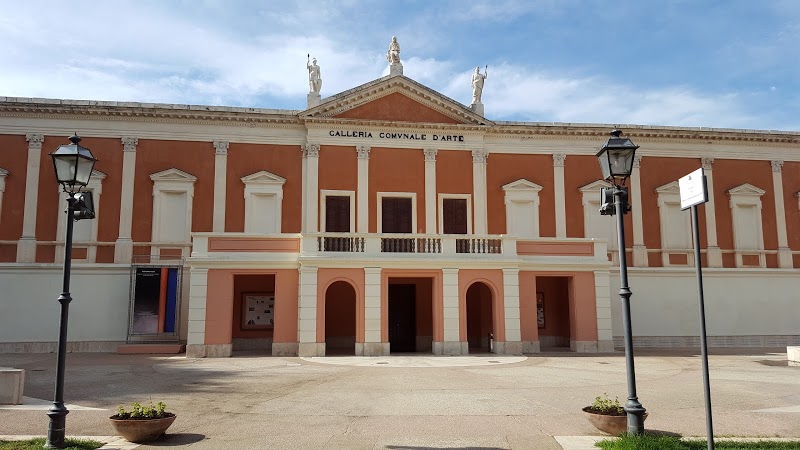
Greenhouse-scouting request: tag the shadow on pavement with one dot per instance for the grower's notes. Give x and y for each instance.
(173, 439)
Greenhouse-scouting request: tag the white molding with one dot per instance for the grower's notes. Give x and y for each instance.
(123, 247)
(479, 187)
(750, 196)
(640, 258)
(559, 160)
(3, 174)
(430, 190)
(361, 205)
(590, 199)
(784, 252)
(713, 252)
(262, 183)
(440, 202)
(220, 183)
(172, 180)
(26, 248)
(411, 195)
(323, 198)
(522, 191)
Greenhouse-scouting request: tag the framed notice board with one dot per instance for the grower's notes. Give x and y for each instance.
(258, 310)
(540, 309)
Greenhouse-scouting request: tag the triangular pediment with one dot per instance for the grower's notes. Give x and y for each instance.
(263, 177)
(747, 189)
(395, 99)
(670, 188)
(522, 185)
(173, 174)
(595, 186)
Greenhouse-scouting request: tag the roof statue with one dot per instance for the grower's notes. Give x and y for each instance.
(393, 56)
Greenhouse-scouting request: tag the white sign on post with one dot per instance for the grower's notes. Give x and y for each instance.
(693, 189)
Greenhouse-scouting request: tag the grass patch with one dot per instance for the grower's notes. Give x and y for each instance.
(38, 444)
(654, 442)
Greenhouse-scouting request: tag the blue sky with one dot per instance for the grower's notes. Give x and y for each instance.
(724, 63)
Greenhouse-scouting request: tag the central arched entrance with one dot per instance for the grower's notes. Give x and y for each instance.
(480, 317)
(340, 319)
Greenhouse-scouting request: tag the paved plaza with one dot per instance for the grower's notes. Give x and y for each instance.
(408, 402)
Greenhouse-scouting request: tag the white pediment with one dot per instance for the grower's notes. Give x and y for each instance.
(595, 186)
(263, 177)
(96, 175)
(522, 185)
(382, 87)
(173, 175)
(670, 188)
(746, 189)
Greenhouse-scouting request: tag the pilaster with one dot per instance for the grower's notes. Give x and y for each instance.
(196, 335)
(220, 181)
(713, 252)
(639, 250)
(513, 340)
(784, 252)
(602, 299)
(451, 344)
(362, 194)
(479, 157)
(311, 187)
(26, 247)
(307, 314)
(373, 344)
(430, 190)
(123, 247)
(561, 205)
(3, 175)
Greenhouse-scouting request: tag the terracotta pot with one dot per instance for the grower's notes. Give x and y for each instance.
(142, 430)
(613, 425)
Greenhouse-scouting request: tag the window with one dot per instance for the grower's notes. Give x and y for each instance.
(397, 212)
(596, 226)
(748, 236)
(522, 208)
(263, 202)
(337, 212)
(173, 195)
(455, 214)
(676, 227)
(84, 232)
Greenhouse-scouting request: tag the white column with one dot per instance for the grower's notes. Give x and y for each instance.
(451, 316)
(373, 346)
(220, 181)
(479, 189)
(713, 252)
(123, 247)
(307, 314)
(639, 249)
(3, 175)
(513, 344)
(784, 252)
(311, 186)
(561, 204)
(26, 248)
(362, 194)
(196, 335)
(430, 190)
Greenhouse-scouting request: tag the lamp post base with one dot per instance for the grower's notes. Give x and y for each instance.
(636, 415)
(56, 431)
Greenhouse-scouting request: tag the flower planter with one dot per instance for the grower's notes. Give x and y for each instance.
(613, 425)
(142, 430)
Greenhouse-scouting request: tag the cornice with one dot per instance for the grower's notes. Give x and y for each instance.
(360, 123)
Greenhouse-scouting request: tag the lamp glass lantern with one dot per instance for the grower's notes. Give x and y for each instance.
(616, 157)
(73, 164)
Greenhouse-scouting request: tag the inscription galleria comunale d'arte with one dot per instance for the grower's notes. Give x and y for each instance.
(390, 135)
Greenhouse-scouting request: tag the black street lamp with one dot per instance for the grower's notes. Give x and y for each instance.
(73, 166)
(616, 164)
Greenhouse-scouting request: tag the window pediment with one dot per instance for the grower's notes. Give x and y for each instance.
(263, 178)
(173, 175)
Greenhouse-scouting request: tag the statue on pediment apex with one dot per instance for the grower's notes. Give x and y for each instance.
(477, 84)
(393, 55)
(314, 77)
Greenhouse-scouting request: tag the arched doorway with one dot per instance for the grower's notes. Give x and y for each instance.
(480, 319)
(340, 319)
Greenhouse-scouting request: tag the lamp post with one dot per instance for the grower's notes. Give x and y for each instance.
(616, 164)
(73, 166)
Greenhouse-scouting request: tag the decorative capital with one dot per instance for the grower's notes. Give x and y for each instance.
(129, 144)
(777, 165)
(363, 151)
(558, 159)
(430, 154)
(311, 150)
(707, 162)
(637, 161)
(221, 147)
(35, 140)
(479, 156)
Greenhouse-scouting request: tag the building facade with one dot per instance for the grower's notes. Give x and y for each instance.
(387, 218)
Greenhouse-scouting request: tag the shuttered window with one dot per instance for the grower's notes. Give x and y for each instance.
(454, 216)
(396, 215)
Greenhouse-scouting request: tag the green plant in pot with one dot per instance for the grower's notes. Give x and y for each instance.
(143, 422)
(608, 415)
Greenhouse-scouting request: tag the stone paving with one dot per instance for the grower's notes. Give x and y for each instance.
(410, 402)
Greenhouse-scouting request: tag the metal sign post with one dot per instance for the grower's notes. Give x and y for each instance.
(693, 192)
